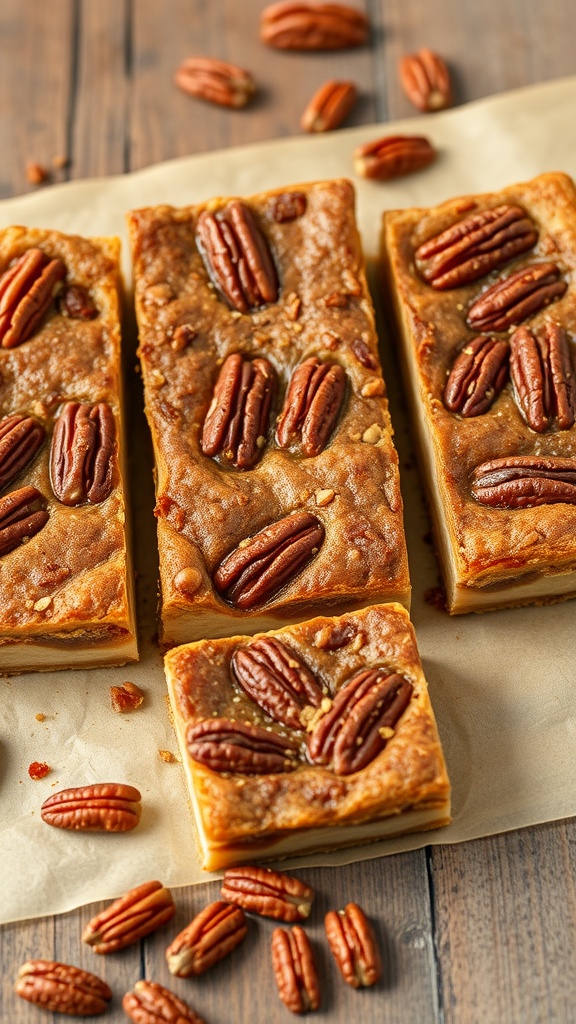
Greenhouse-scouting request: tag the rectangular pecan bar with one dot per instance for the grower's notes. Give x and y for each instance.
(277, 481)
(315, 736)
(484, 306)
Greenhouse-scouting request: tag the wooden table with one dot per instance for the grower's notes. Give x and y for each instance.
(480, 932)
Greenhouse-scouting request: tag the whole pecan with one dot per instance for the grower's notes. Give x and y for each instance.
(543, 377)
(26, 290)
(514, 298)
(103, 807)
(525, 481)
(238, 257)
(426, 80)
(130, 918)
(392, 156)
(236, 424)
(225, 745)
(477, 377)
(353, 946)
(150, 1003)
(20, 439)
(475, 245)
(276, 679)
(290, 25)
(82, 453)
(329, 105)
(261, 565)
(266, 892)
(216, 81)
(75, 302)
(361, 720)
(20, 517)
(312, 405)
(295, 969)
(62, 988)
(213, 933)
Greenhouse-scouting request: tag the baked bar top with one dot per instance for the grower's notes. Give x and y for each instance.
(310, 805)
(205, 505)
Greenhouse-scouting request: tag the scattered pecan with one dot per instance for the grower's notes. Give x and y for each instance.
(38, 770)
(392, 156)
(26, 291)
(361, 720)
(525, 481)
(127, 697)
(138, 913)
(150, 1003)
(330, 104)
(293, 25)
(238, 257)
(215, 80)
(288, 206)
(20, 439)
(512, 299)
(20, 517)
(295, 969)
(103, 807)
(353, 946)
(75, 302)
(426, 80)
(213, 933)
(236, 424)
(477, 377)
(312, 405)
(269, 893)
(276, 679)
(260, 566)
(475, 245)
(224, 745)
(36, 174)
(543, 377)
(62, 988)
(81, 456)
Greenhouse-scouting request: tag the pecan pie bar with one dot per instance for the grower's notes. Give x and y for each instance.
(484, 302)
(315, 736)
(65, 576)
(276, 477)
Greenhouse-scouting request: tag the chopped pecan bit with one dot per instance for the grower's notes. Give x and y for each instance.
(20, 517)
(260, 566)
(36, 174)
(288, 206)
(150, 1003)
(295, 969)
(266, 892)
(353, 946)
(303, 25)
(20, 439)
(512, 299)
(62, 988)
(476, 245)
(543, 377)
(213, 933)
(38, 770)
(393, 156)
(140, 912)
(426, 80)
(82, 453)
(312, 406)
(363, 354)
(75, 303)
(26, 291)
(361, 720)
(332, 637)
(225, 745)
(329, 106)
(477, 377)
(183, 336)
(236, 424)
(276, 679)
(103, 807)
(216, 81)
(127, 697)
(525, 481)
(238, 257)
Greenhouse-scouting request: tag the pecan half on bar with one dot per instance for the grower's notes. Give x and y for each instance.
(393, 156)
(330, 104)
(266, 892)
(138, 913)
(212, 935)
(295, 969)
(20, 517)
(512, 299)
(82, 451)
(224, 745)
(312, 406)
(426, 80)
(216, 81)
(62, 988)
(525, 481)
(150, 1003)
(477, 377)
(236, 424)
(276, 679)
(291, 25)
(353, 946)
(103, 807)
(26, 290)
(20, 439)
(238, 257)
(543, 377)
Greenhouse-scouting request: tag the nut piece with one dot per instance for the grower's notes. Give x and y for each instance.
(75, 303)
(475, 245)
(295, 969)
(26, 291)
(291, 25)
(104, 807)
(543, 377)
(81, 456)
(426, 80)
(288, 206)
(268, 893)
(328, 107)
(224, 745)
(236, 424)
(237, 257)
(213, 933)
(127, 697)
(216, 81)
(477, 377)
(276, 679)
(353, 946)
(20, 439)
(150, 1003)
(525, 481)
(36, 174)
(512, 299)
(62, 988)
(392, 156)
(20, 517)
(130, 918)
(312, 406)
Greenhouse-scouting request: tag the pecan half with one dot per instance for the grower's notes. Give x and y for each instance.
(130, 918)
(266, 892)
(426, 80)
(75, 303)
(353, 946)
(261, 565)
(216, 81)
(477, 377)
(512, 299)
(150, 1003)
(329, 105)
(213, 933)
(236, 424)
(393, 156)
(26, 291)
(291, 25)
(82, 451)
(20, 517)
(360, 721)
(312, 406)
(62, 988)
(295, 969)
(20, 439)
(525, 481)
(475, 245)
(238, 257)
(103, 807)
(225, 745)
(276, 679)
(543, 377)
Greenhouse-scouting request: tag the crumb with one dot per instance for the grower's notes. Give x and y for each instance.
(168, 757)
(436, 596)
(36, 174)
(127, 697)
(40, 717)
(38, 770)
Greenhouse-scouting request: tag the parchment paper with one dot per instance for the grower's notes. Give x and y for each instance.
(502, 684)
